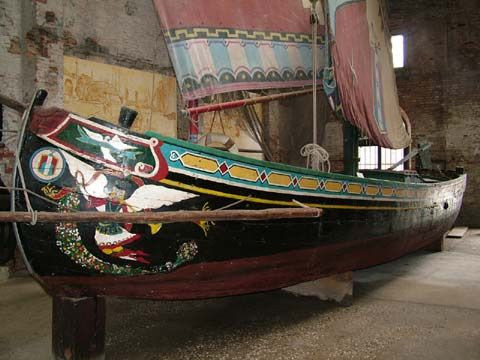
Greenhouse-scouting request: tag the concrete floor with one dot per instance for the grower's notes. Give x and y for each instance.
(424, 306)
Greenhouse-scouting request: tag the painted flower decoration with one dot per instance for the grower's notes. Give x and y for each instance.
(187, 251)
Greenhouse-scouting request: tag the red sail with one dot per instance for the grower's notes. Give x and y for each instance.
(222, 45)
(363, 67)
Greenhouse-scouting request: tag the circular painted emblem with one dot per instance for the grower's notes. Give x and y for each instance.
(47, 164)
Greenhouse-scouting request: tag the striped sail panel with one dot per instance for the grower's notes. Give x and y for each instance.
(218, 46)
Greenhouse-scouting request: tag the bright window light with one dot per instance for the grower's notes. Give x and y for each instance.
(390, 157)
(397, 51)
(373, 157)
(368, 157)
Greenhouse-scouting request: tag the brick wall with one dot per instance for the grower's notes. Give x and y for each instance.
(440, 85)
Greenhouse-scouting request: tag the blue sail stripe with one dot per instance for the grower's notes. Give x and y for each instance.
(253, 55)
(182, 63)
(306, 55)
(220, 55)
(281, 54)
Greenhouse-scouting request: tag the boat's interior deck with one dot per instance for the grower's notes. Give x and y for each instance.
(410, 176)
(407, 176)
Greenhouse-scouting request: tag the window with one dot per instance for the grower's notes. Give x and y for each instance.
(375, 157)
(368, 157)
(398, 51)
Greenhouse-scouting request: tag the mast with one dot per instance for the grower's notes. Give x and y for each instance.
(314, 22)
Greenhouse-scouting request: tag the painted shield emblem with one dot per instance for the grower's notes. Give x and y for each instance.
(47, 165)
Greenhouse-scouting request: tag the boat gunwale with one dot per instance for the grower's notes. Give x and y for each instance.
(291, 168)
(255, 162)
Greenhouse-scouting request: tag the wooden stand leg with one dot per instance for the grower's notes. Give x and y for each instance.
(338, 288)
(78, 328)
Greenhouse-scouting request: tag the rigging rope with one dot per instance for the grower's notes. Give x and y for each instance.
(18, 165)
(314, 21)
(317, 157)
(256, 127)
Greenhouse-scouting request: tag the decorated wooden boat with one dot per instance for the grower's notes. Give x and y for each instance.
(91, 165)
(72, 164)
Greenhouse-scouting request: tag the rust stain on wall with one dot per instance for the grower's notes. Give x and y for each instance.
(39, 39)
(97, 89)
(15, 47)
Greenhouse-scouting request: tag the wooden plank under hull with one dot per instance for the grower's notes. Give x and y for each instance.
(76, 164)
(457, 232)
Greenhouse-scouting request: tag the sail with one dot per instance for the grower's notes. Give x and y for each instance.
(223, 45)
(362, 63)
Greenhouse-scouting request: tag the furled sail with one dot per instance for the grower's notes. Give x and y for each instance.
(223, 45)
(362, 61)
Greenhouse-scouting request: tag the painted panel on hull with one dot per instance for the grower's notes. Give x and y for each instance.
(95, 190)
(307, 183)
(110, 147)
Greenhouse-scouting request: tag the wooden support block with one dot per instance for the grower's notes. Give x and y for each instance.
(4, 273)
(438, 245)
(338, 288)
(457, 232)
(78, 328)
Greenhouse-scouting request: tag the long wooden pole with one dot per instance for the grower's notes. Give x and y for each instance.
(243, 102)
(160, 217)
(12, 104)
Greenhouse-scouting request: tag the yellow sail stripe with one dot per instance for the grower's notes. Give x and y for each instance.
(275, 202)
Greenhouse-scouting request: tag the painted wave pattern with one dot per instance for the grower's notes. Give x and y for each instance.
(209, 61)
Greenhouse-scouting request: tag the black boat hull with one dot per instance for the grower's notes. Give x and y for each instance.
(75, 164)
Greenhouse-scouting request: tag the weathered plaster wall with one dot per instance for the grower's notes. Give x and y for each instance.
(119, 32)
(440, 85)
(17, 72)
(36, 34)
